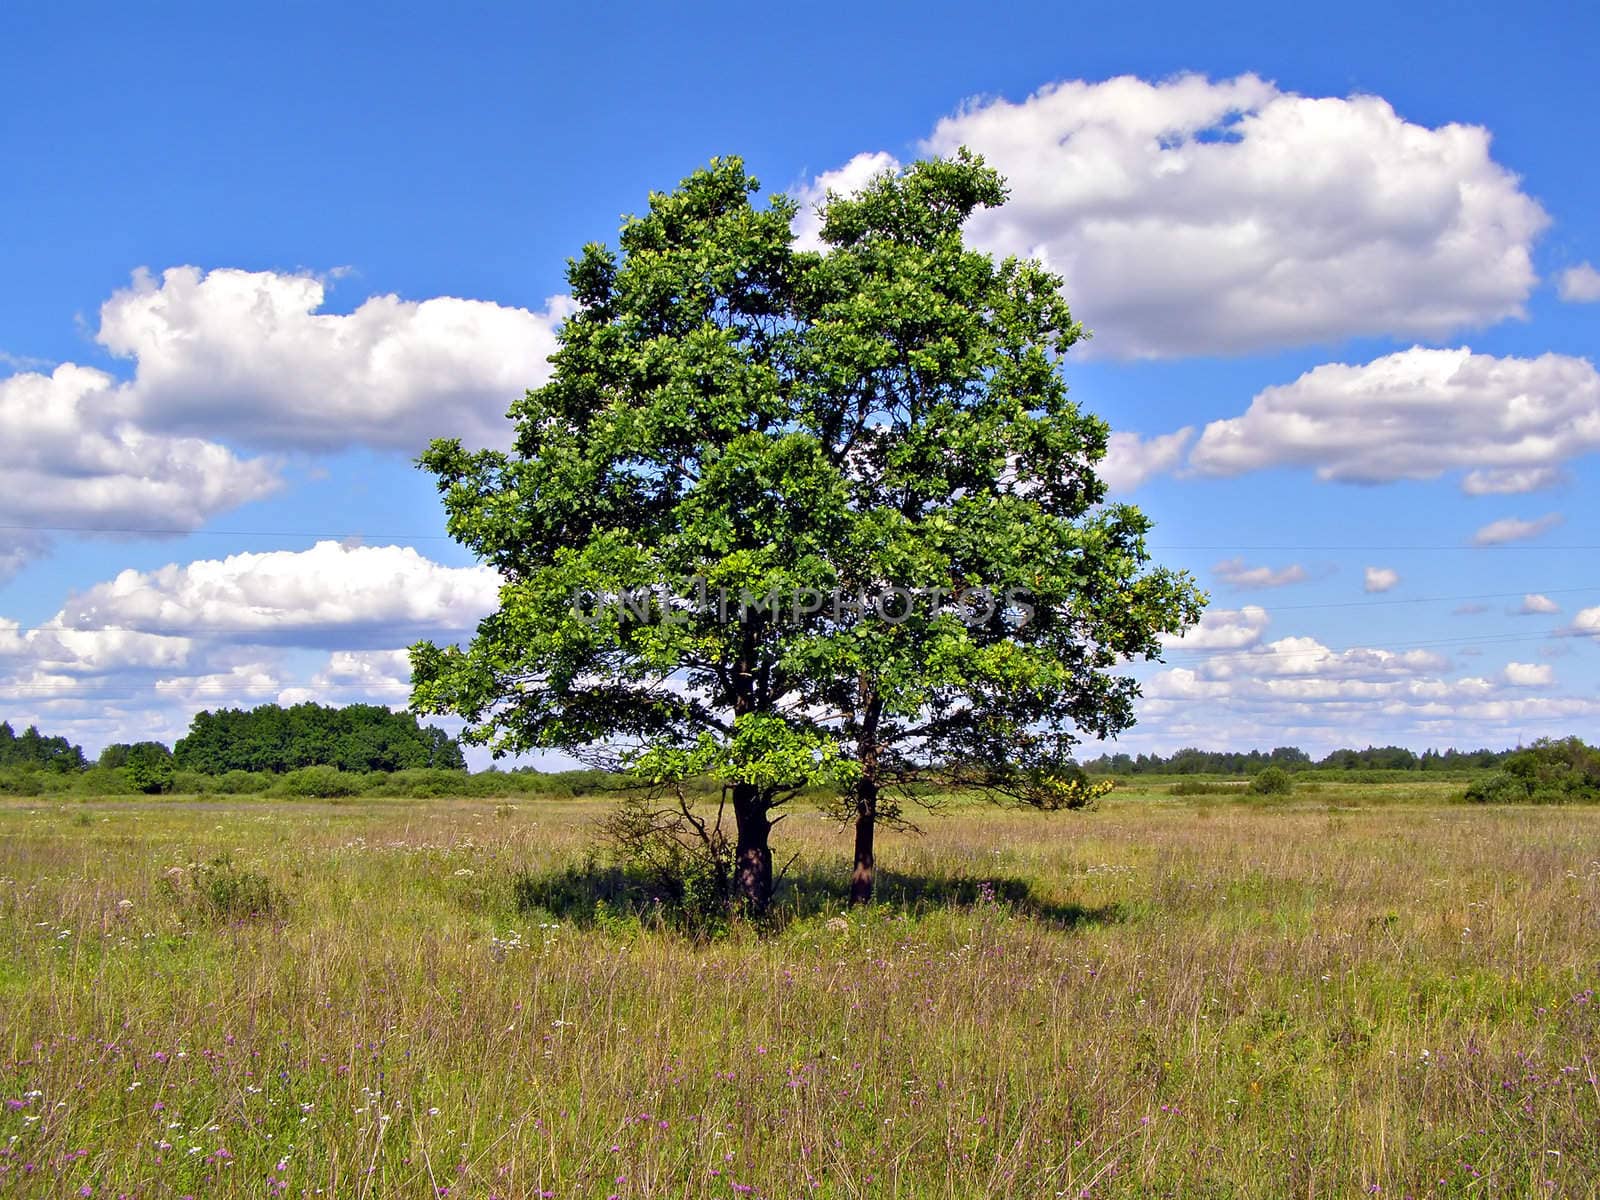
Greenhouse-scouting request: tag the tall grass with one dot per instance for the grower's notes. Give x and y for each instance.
(1155, 999)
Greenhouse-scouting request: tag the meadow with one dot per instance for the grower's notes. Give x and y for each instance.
(1363, 990)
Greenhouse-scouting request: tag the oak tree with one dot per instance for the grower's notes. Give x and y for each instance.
(787, 516)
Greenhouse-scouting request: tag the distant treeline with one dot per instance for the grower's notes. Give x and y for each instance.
(307, 783)
(264, 742)
(274, 740)
(33, 750)
(1190, 761)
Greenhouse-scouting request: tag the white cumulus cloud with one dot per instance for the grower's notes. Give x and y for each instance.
(1536, 602)
(249, 356)
(374, 676)
(1193, 216)
(1380, 579)
(1131, 459)
(71, 457)
(1514, 529)
(1222, 629)
(1298, 691)
(1416, 414)
(1306, 657)
(1579, 284)
(1511, 481)
(241, 685)
(1238, 574)
(1530, 674)
(300, 597)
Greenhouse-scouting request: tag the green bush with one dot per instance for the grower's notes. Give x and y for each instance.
(103, 781)
(1201, 787)
(1274, 781)
(318, 782)
(221, 891)
(238, 783)
(1547, 772)
(149, 768)
(18, 781)
(423, 782)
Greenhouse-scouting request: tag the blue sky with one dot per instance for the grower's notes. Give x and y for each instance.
(256, 255)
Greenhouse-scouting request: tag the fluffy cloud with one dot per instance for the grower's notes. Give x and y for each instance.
(1380, 579)
(1131, 459)
(302, 597)
(247, 355)
(1308, 658)
(243, 684)
(1297, 690)
(1222, 629)
(136, 656)
(1537, 603)
(370, 676)
(1416, 414)
(1239, 575)
(1579, 284)
(72, 457)
(1587, 621)
(1530, 674)
(1511, 481)
(1194, 216)
(57, 651)
(1514, 529)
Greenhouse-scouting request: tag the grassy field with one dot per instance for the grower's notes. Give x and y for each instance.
(1365, 991)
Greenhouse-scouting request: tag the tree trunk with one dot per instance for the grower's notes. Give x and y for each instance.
(861, 878)
(752, 866)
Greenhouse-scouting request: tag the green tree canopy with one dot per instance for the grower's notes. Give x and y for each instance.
(33, 749)
(828, 516)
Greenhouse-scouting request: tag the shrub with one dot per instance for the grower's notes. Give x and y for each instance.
(219, 890)
(318, 782)
(1274, 781)
(15, 781)
(238, 783)
(1547, 772)
(422, 782)
(104, 781)
(1201, 787)
(680, 855)
(149, 768)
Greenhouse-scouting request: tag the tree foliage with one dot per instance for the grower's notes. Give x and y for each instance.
(148, 766)
(33, 749)
(1548, 772)
(874, 444)
(273, 739)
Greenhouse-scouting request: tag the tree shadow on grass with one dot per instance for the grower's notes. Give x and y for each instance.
(817, 891)
(592, 894)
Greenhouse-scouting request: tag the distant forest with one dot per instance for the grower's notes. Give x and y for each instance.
(364, 738)
(31, 749)
(358, 737)
(269, 739)
(1190, 761)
